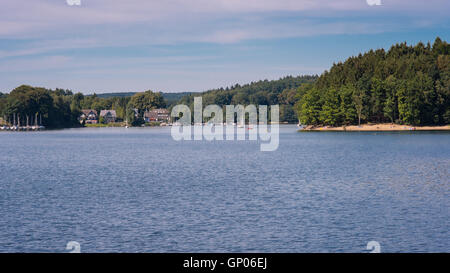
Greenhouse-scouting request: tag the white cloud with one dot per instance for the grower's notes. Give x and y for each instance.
(37, 18)
(300, 28)
(40, 28)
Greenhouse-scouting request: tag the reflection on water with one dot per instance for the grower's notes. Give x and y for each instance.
(114, 190)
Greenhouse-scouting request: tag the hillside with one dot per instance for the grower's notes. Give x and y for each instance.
(405, 85)
(281, 91)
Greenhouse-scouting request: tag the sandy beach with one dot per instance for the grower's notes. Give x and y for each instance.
(378, 127)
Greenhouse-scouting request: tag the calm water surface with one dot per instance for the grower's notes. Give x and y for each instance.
(137, 190)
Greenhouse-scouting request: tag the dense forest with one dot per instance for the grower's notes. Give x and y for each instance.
(406, 85)
(282, 92)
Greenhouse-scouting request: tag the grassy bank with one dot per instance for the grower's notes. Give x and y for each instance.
(117, 124)
(121, 124)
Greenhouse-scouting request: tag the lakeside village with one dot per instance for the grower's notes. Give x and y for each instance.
(154, 117)
(88, 118)
(161, 117)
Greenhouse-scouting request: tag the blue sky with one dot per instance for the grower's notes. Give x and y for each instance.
(195, 45)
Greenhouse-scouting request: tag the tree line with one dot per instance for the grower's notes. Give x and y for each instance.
(405, 85)
(61, 108)
(282, 91)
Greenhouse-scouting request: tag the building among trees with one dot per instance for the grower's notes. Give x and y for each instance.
(89, 116)
(108, 116)
(159, 115)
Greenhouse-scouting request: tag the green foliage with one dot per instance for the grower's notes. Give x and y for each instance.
(61, 108)
(27, 101)
(136, 121)
(153, 123)
(310, 107)
(115, 124)
(282, 91)
(347, 110)
(390, 108)
(287, 113)
(407, 84)
(330, 113)
(146, 100)
(170, 98)
(142, 102)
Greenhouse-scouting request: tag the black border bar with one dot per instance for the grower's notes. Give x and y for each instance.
(245, 262)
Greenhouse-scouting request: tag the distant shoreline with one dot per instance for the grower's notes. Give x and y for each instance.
(383, 127)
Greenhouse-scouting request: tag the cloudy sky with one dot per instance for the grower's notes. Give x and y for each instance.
(194, 45)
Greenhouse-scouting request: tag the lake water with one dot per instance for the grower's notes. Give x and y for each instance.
(137, 190)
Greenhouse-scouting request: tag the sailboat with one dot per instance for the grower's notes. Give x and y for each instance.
(241, 124)
(41, 127)
(126, 120)
(14, 127)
